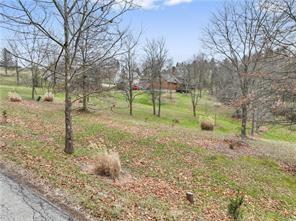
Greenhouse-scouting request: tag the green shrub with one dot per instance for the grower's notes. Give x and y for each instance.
(234, 207)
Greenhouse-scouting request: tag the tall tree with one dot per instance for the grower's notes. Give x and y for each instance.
(130, 71)
(236, 33)
(282, 75)
(194, 76)
(64, 22)
(156, 56)
(36, 52)
(6, 60)
(17, 70)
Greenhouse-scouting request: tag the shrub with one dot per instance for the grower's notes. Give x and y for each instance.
(176, 121)
(48, 97)
(4, 117)
(108, 164)
(207, 125)
(234, 207)
(14, 97)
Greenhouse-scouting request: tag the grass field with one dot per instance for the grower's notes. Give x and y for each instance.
(161, 160)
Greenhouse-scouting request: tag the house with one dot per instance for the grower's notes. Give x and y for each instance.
(168, 82)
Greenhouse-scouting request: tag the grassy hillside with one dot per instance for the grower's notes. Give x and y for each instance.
(176, 108)
(161, 160)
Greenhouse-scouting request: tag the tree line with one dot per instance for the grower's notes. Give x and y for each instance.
(75, 46)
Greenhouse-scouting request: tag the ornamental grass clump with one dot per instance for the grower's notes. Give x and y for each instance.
(108, 164)
(48, 97)
(14, 97)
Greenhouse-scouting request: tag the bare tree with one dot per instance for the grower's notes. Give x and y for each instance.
(184, 71)
(155, 59)
(236, 33)
(17, 70)
(282, 68)
(35, 51)
(64, 23)
(130, 73)
(213, 74)
(98, 49)
(193, 79)
(6, 60)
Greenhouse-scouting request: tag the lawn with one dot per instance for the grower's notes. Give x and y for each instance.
(161, 160)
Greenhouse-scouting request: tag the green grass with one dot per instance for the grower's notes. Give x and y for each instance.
(180, 108)
(25, 92)
(277, 132)
(163, 165)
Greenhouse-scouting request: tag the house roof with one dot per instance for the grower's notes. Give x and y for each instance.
(169, 77)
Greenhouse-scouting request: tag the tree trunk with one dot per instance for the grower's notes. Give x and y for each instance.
(6, 70)
(211, 87)
(253, 123)
(194, 110)
(159, 95)
(193, 95)
(244, 121)
(84, 102)
(130, 96)
(159, 104)
(17, 73)
(84, 96)
(54, 82)
(33, 92)
(68, 123)
(257, 123)
(33, 84)
(153, 104)
(131, 108)
(68, 104)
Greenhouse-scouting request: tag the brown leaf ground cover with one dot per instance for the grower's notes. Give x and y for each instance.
(160, 163)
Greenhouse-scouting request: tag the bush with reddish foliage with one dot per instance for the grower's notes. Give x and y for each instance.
(206, 125)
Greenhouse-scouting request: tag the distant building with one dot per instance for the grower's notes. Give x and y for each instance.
(168, 82)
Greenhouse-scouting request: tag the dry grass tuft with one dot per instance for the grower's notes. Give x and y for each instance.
(108, 164)
(206, 125)
(48, 97)
(14, 97)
